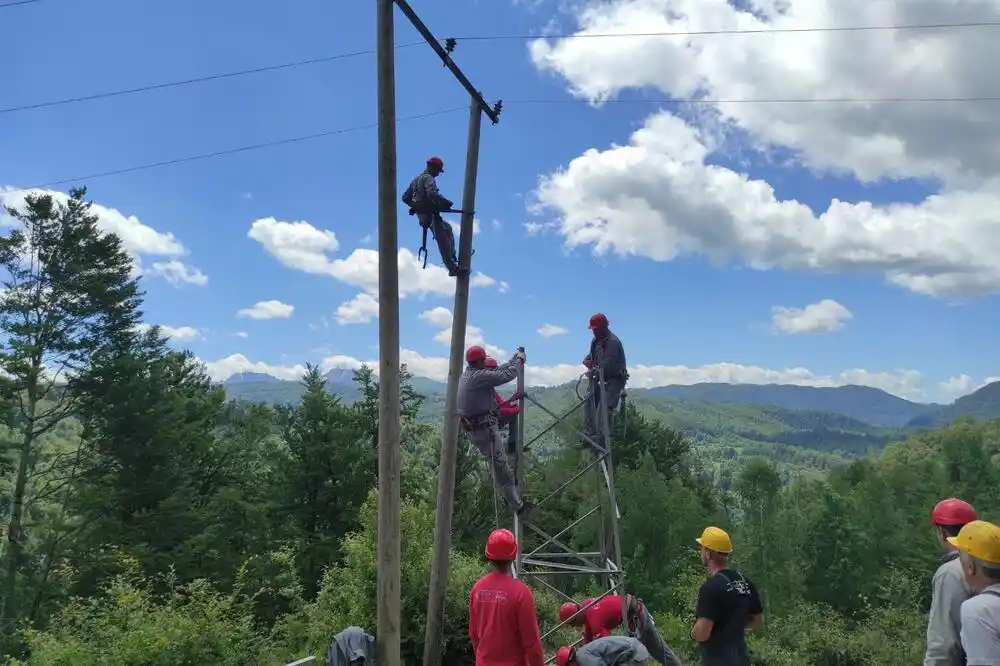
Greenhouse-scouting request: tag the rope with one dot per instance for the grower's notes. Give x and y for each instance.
(492, 472)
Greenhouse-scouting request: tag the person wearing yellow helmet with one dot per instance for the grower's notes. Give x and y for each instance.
(728, 604)
(978, 546)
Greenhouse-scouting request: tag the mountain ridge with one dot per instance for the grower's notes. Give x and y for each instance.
(865, 404)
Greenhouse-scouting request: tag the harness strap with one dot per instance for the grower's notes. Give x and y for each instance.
(423, 247)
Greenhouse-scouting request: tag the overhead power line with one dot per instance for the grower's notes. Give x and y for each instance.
(232, 151)
(751, 31)
(357, 128)
(778, 100)
(200, 79)
(343, 56)
(16, 3)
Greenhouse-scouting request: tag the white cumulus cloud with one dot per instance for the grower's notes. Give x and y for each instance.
(662, 194)
(301, 246)
(904, 383)
(441, 317)
(359, 310)
(962, 384)
(138, 239)
(820, 317)
(180, 332)
(267, 310)
(551, 330)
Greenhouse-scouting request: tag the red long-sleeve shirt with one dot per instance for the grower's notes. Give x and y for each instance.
(602, 617)
(503, 625)
(506, 410)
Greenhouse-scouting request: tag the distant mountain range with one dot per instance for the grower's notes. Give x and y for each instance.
(868, 405)
(798, 426)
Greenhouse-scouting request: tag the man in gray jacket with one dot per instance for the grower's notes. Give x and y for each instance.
(608, 354)
(944, 623)
(607, 651)
(477, 410)
(427, 203)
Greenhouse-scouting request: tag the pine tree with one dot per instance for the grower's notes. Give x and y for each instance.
(69, 293)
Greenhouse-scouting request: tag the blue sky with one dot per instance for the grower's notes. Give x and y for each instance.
(701, 294)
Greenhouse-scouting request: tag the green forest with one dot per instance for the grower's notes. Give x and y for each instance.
(149, 520)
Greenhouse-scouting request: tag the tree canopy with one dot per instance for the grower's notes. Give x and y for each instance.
(149, 520)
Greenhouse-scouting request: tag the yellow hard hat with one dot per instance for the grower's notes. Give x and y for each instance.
(715, 539)
(979, 539)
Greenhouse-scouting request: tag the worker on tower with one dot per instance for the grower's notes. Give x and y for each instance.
(607, 353)
(427, 203)
(606, 651)
(599, 618)
(978, 545)
(477, 410)
(507, 411)
(503, 625)
(728, 605)
(949, 589)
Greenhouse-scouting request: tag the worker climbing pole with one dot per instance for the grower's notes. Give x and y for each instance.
(459, 267)
(545, 555)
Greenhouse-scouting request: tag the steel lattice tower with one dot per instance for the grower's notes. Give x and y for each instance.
(553, 558)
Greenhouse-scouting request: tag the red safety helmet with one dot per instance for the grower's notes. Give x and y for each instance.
(436, 161)
(491, 362)
(501, 546)
(598, 321)
(953, 511)
(568, 610)
(564, 655)
(473, 354)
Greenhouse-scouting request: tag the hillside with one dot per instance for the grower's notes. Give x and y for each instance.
(725, 431)
(864, 403)
(983, 404)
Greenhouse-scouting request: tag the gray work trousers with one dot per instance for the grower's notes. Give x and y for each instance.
(444, 237)
(652, 640)
(489, 442)
(592, 420)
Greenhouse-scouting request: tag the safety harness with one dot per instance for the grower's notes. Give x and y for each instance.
(422, 252)
(485, 422)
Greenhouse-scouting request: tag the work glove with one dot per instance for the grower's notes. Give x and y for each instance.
(520, 356)
(517, 396)
(588, 363)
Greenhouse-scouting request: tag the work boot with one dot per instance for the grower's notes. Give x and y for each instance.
(526, 506)
(455, 271)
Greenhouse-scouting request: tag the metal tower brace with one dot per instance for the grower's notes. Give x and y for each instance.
(541, 563)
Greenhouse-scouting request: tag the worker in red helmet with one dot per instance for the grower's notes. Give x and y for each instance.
(608, 354)
(944, 623)
(507, 411)
(607, 651)
(477, 412)
(427, 203)
(503, 625)
(599, 618)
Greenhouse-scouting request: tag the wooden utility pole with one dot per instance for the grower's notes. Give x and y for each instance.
(387, 637)
(449, 431)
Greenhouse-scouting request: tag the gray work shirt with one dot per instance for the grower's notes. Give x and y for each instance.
(944, 621)
(981, 628)
(476, 388)
(423, 196)
(612, 651)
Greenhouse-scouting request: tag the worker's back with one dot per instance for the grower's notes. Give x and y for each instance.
(601, 618)
(612, 651)
(502, 622)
